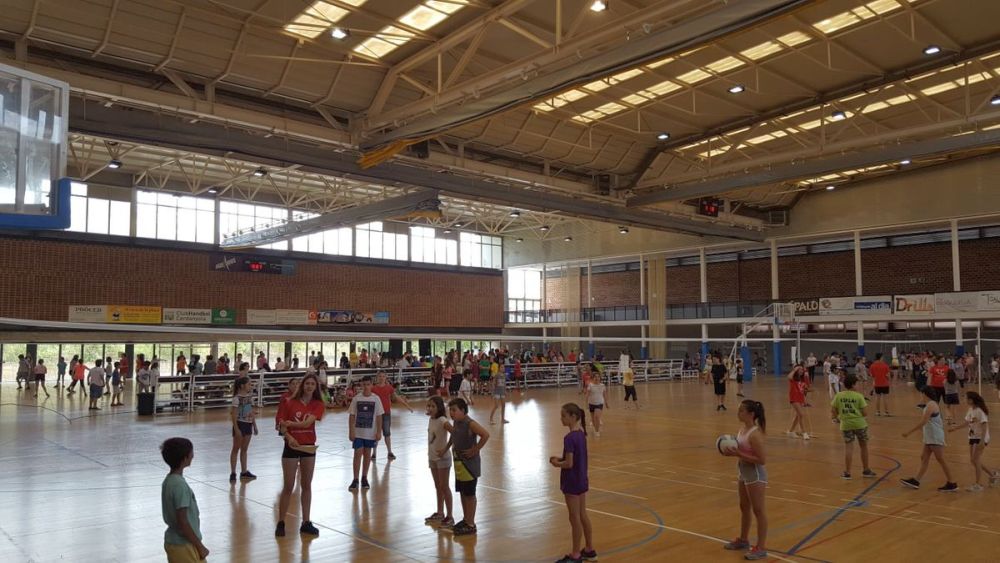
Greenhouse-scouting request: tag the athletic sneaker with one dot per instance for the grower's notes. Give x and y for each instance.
(974, 488)
(308, 529)
(878, 413)
(232, 477)
(279, 530)
(948, 488)
(354, 485)
(995, 479)
(792, 434)
(570, 559)
(447, 523)
(755, 554)
(737, 545)
(392, 455)
(845, 476)
(867, 473)
(911, 483)
(589, 555)
(806, 436)
(463, 529)
(364, 483)
(433, 518)
(247, 476)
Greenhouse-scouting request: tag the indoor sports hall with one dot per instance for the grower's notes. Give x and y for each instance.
(499, 280)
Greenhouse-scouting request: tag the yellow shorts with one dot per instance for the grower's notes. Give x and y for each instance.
(181, 553)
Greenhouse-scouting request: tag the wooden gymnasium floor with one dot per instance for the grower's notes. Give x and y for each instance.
(81, 487)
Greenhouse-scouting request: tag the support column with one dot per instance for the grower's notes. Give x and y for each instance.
(703, 284)
(858, 290)
(590, 288)
(956, 280)
(643, 350)
(745, 356)
(591, 348)
(656, 306)
(545, 303)
(545, 343)
(775, 296)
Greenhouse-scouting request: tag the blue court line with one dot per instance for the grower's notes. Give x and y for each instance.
(852, 504)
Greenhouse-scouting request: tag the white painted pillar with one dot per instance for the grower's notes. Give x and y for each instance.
(858, 287)
(642, 301)
(703, 280)
(590, 275)
(775, 286)
(956, 280)
(545, 302)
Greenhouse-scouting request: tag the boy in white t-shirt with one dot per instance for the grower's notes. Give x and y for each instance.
(465, 390)
(365, 429)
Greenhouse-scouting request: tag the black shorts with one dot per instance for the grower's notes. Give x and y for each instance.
(720, 388)
(289, 453)
(39, 379)
(595, 407)
(951, 399)
(246, 428)
(881, 390)
(466, 488)
(974, 441)
(739, 379)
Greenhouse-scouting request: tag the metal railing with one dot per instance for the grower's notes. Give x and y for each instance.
(179, 393)
(713, 310)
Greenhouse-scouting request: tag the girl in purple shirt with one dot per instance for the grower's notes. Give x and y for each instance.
(574, 483)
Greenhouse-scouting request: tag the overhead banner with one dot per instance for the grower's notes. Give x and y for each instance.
(875, 305)
(353, 317)
(180, 316)
(281, 317)
(133, 314)
(805, 307)
(87, 313)
(920, 304)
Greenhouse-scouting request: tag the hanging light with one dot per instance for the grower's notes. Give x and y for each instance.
(737, 89)
(544, 228)
(932, 50)
(663, 136)
(623, 230)
(599, 6)
(259, 173)
(339, 33)
(515, 213)
(568, 239)
(838, 115)
(114, 164)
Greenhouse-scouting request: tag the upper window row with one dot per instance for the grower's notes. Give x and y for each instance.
(167, 216)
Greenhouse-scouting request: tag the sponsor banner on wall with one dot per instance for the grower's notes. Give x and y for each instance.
(805, 307)
(919, 304)
(967, 301)
(87, 313)
(133, 314)
(989, 301)
(260, 316)
(353, 317)
(181, 316)
(294, 317)
(879, 304)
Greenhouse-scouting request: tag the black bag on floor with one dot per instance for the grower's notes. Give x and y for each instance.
(145, 404)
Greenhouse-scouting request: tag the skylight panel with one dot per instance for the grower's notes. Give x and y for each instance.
(794, 38)
(765, 49)
(856, 15)
(319, 17)
(422, 17)
(724, 64)
(661, 89)
(694, 76)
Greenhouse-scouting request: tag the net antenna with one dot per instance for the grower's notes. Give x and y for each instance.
(34, 115)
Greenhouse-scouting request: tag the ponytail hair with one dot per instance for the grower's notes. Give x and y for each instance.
(576, 412)
(978, 400)
(757, 409)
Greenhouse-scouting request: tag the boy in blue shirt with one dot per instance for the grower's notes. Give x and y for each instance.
(182, 540)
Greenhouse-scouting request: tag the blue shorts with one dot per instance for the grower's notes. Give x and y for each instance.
(96, 391)
(362, 443)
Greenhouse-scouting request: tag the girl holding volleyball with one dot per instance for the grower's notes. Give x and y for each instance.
(752, 480)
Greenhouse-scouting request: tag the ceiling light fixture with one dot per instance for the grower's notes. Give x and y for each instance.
(599, 6)
(932, 50)
(737, 89)
(447, 231)
(519, 239)
(838, 115)
(114, 164)
(568, 239)
(260, 173)
(213, 191)
(339, 33)
(663, 136)
(515, 213)
(904, 162)
(831, 188)
(623, 230)
(544, 228)
(995, 100)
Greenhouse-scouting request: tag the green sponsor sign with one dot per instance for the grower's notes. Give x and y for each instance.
(223, 316)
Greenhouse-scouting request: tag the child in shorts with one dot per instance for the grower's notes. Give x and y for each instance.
(182, 540)
(467, 438)
(365, 429)
(116, 386)
(849, 409)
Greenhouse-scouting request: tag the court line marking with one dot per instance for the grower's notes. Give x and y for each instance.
(979, 525)
(847, 531)
(618, 493)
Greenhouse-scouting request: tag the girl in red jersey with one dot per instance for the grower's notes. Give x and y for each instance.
(297, 419)
(797, 398)
(293, 389)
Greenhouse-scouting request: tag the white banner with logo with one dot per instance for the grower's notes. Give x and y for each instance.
(918, 304)
(260, 316)
(87, 313)
(967, 301)
(294, 317)
(875, 305)
(175, 315)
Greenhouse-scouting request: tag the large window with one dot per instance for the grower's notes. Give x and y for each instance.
(234, 217)
(481, 251)
(524, 291)
(100, 215)
(334, 241)
(425, 247)
(166, 216)
(373, 241)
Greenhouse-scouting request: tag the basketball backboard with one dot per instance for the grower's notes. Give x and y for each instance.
(34, 192)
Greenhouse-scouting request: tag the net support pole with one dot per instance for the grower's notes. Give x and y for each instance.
(861, 339)
(776, 348)
(979, 353)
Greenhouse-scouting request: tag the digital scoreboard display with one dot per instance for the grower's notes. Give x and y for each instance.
(253, 264)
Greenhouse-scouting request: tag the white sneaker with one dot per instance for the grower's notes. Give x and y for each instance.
(792, 434)
(974, 488)
(596, 433)
(806, 436)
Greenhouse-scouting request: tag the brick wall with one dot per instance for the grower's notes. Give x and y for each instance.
(40, 279)
(885, 271)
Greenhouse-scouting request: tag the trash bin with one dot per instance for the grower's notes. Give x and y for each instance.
(146, 404)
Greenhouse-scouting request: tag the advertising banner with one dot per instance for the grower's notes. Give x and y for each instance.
(920, 304)
(836, 306)
(879, 304)
(989, 301)
(805, 307)
(353, 317)
(180, 316)
(87, 313)
(294, 317)
(966, 301)
(260, 316)
(133, 314)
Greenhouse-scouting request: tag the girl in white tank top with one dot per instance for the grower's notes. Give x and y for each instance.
(752, 479)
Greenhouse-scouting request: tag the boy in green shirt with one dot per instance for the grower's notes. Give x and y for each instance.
(849, 409)
(182, 540)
